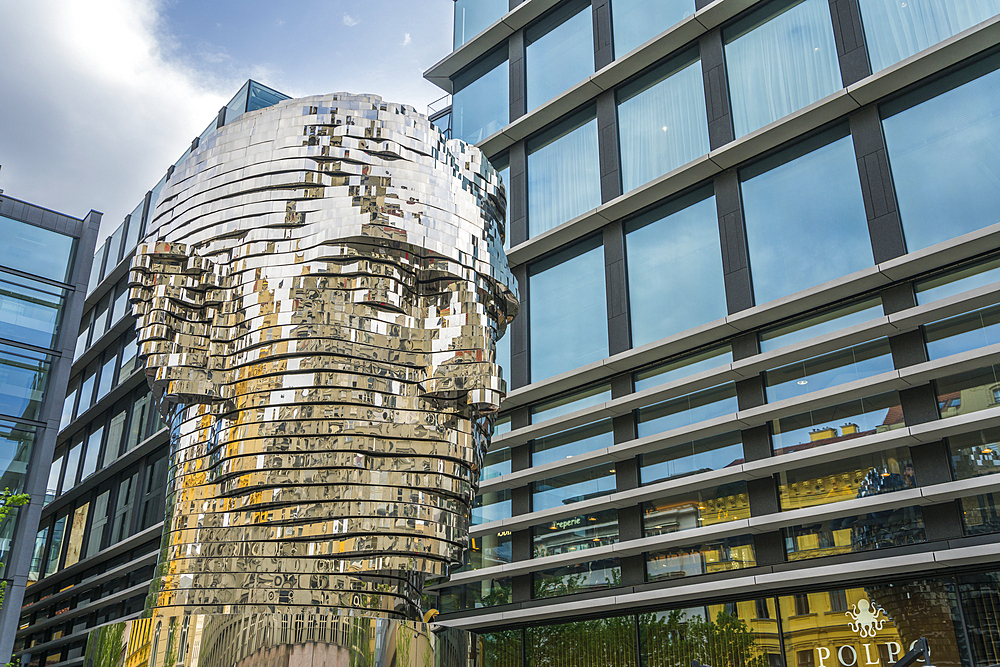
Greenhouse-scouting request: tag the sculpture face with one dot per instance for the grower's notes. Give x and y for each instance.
(319, 317)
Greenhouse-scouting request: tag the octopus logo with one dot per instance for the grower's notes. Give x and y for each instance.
(866, 618)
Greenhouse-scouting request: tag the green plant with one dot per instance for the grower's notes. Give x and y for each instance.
(8, 502)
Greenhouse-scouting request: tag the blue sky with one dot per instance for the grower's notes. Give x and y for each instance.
(99, 97)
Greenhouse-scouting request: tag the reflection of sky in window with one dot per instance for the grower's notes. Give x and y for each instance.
(955, 282)
(481, 107)
(573, 487)
(35, 250)
(570, 443)
(636, 22)
(686, 410)
(27, 314)
(829, 370)
(675, 272)
(965, 332)
(23, 376)
(15, 450)
(944, 159)
(474, 16)
(691, 457)
(559, 58)
(806, 221)
(822, 324)
(491, 507)
(683, 367)
(568, 318)
(496, 463)
(570, 403)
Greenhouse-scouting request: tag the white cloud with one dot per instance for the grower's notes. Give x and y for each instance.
(350, 21)
(94, 111)
(406, 39)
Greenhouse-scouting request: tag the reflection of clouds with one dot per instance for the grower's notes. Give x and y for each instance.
(560, 59)
(481, 108)
(806, 222)
(944, 162)
(675, 273)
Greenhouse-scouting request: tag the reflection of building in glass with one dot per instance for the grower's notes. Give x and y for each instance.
(43, 273)
(744, 306)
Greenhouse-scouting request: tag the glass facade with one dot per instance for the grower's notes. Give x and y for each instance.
(637, 21)
(568, 317)
(940, 142)
(480, 106)
(896, 30)
(40, 252)
(780, 59)
(805, 216)
(675, 275)
(559, 52)
(474, 16)
(662, 121)
(564, 177)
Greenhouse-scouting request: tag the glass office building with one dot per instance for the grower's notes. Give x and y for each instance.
(102, 501)
(754, 407)
(43, 281)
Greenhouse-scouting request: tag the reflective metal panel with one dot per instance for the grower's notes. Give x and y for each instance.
(318, 318)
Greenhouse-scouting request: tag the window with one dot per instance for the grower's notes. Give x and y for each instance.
(713, 453)
(55, 473)
(573, 487)
(574, 534)
(29, 310)
(94, 541)
(684, 366)
(84, 335)
(75, 540)
(564, 173)
(134, 227)
(970, 276)
(474, 16)
(844, 421)
(491, 506)
(854, 534)
(55, 546)
(496, 464)
(706, 507)
(72, 465)
(38, 555)
(121, 526)
(24, 375)
(801, 604)
(572, 442)
(963, 333)
(861, 476)
(93, 451)
(838, 600)
(487, 551)
(481, 104)
(732, 553)
(942, 142)
(829, 370)
(896, 30)
(780, 59)
(559, 52)
(502, 165)
(674, 266)
(108, 373)
(568, 320)
(820, 324)
(688, 409)
(37, 251)
(100, 319)
(805, 216)
(579, 578)
(152, 510)
(87, 389)
(567, 403)
(662, 122)
(16, 443)
(139, 423)
(130, 356)
(975, 454)
(635, 22)
(967, 392)
(120, 304)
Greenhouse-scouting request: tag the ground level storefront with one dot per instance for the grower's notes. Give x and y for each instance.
(868, 626)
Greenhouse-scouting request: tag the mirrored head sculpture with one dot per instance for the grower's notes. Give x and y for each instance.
(317, 312)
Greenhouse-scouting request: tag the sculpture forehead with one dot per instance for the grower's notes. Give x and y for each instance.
(329, 170)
